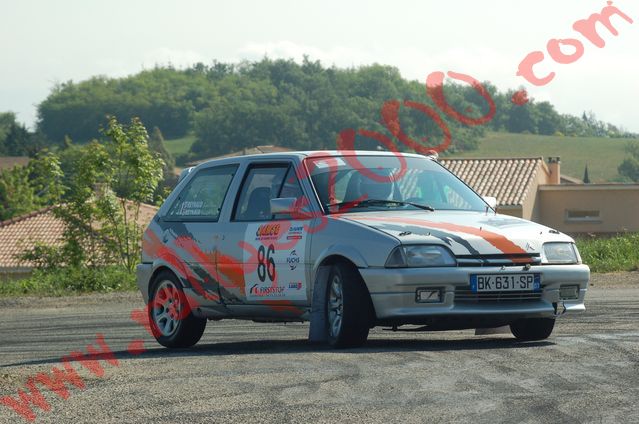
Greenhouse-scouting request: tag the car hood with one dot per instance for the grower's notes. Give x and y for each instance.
(465, 233)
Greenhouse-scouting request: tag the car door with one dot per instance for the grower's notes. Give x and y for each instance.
(191, 229)
(270, 249)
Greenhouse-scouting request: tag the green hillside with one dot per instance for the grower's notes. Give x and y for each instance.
(179, 146)
(602, 155)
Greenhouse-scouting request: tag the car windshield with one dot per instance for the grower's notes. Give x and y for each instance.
(360, 183)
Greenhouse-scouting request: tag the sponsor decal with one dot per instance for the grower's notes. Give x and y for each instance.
(268, 232)
(293, 260)
(295, 233)
(267, 291)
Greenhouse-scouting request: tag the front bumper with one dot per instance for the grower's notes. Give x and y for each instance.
(393, 292)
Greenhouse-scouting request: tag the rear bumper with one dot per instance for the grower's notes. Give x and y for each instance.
(393, 292)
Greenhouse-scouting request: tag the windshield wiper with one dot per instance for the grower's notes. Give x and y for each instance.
(373, 202)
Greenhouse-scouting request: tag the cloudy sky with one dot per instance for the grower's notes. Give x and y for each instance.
(44, 42)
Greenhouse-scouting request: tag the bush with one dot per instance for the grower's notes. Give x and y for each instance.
(619, 253)
(71, 280)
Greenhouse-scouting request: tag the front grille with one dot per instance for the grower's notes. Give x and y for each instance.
(498, 260)
(465, 295)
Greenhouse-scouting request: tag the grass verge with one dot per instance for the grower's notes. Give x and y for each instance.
(70, 281)
(620, 253)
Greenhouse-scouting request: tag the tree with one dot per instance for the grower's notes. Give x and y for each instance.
(15, 139)
(129, 178)
(156, 144)
(32, 187)
(548, 120)
(522, 119)
(586, 176)
(108, 182)
(629, 168)
(301, 106)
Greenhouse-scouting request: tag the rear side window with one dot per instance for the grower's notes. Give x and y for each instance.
(204, 195)
(262, 184)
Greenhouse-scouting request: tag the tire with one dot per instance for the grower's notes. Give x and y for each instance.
(172, 322)
(349, 309)
(530, 329)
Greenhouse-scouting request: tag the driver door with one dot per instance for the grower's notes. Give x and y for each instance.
(270, 249)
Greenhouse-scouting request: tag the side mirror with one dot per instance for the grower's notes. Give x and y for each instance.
(284, 205)
(492, 201)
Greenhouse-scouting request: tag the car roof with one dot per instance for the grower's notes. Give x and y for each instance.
(304, 154)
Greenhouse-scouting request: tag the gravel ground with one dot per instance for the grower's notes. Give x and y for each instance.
(245, 372)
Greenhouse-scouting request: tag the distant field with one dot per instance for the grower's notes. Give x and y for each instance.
(603, 155)
(179, 146)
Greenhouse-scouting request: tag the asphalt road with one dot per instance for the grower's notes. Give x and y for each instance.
(244, 372)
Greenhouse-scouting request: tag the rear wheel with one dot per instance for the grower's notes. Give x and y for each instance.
(348, 308)
(529, 329)
(170, 316)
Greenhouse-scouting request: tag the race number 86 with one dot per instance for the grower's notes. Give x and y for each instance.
(265, 263)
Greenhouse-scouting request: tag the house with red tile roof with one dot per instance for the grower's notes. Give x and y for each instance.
(534, 189)
(512, 181)
(10, 162)
(40, 227)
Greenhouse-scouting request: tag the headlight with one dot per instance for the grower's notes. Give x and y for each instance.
(560, 253)
(420, 256)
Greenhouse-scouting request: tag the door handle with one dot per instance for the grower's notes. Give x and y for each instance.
(165, 237)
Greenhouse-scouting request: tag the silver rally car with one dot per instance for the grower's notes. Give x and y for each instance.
(349, 241)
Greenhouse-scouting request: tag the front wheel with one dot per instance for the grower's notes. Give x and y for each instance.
(348, 308)
(172, 322)
(529, 329)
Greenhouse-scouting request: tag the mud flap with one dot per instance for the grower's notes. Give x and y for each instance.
(318, 330)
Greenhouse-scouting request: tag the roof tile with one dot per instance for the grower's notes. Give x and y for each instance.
(507, 179)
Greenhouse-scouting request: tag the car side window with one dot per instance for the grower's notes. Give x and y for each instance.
(291, 188)
(204, 195)
(262, 183)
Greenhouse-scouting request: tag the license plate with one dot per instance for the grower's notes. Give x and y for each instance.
(505, 282)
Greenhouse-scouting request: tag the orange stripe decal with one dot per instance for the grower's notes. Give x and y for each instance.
(497, 240)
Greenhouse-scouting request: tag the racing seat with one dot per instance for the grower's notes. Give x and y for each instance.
(259, 205)
(352, 189)
(362, 187)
